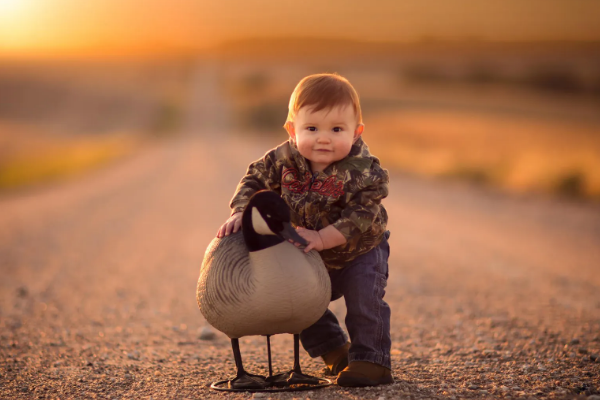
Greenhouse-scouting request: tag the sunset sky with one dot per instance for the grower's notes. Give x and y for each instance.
(72, 26)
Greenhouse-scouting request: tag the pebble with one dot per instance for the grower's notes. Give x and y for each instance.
(259, 395)
(381, 398)
(473, 387)
(593, 397)
(207, 333)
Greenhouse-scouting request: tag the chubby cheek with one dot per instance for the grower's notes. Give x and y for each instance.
(304, 146)
(343, 148)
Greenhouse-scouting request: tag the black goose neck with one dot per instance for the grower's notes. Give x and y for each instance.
(255, 241)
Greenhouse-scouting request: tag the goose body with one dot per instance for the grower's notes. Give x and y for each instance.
(276, 290)
(254, 282)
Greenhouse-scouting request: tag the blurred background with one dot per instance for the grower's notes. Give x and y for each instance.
(500, 93)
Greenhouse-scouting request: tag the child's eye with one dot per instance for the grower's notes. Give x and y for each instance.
(312, 128)
(337, 129)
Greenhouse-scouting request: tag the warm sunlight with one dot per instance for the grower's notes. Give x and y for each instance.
(7, 6)
(15, 16)
(153, 26)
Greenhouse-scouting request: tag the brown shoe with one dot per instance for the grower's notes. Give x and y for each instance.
(336, 360)
(363, 373)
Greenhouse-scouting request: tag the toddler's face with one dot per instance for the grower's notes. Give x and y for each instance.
(325, 136)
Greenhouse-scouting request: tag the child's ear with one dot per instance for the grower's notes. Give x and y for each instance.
(358, 131)
(289, 127)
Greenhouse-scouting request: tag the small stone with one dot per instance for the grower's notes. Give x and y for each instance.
(504, 388)
(583, 350)
(594, 357)
(473, 387)
(574, 341)
(593, 397)
(381, 398)
(483, 392)
(156, 373)
(470, 364)
(259, 395)
(207, 333)
(516, 388)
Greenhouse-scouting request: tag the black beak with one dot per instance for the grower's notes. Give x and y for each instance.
(289, 232)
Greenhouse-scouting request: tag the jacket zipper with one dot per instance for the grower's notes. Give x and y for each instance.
(312, 180)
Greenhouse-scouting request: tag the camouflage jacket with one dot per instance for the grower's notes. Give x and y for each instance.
(347, 194)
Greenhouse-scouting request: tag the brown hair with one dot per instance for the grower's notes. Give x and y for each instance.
(323, 91)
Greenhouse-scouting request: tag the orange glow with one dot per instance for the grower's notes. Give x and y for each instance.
(154, 26)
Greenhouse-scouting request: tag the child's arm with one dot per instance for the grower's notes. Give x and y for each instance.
(261, 174)
(324, 239)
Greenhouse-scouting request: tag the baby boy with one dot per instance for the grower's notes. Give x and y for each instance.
(334, 188)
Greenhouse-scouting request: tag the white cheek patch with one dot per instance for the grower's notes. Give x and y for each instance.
(259, 224)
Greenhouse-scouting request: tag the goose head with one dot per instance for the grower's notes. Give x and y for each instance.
(266, 222)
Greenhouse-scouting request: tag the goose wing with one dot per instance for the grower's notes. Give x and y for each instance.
(225, 280)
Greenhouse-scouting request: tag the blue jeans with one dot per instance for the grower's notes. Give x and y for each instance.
(362, 282)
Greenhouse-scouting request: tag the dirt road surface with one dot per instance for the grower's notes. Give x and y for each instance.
(491, 295)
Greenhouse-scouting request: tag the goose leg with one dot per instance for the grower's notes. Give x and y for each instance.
(295, 376)
(269, 353)
(244, 380)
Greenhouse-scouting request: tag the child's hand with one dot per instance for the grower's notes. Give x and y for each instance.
(232, 225)
(312, 237)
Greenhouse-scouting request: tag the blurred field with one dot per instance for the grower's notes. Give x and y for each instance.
(29, 158)
(520, 117)
(60, 119)
(518, 154)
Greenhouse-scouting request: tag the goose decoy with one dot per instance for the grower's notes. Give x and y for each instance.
(255, 282)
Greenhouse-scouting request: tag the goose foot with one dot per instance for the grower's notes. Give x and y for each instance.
(248, 381)
(292, 378)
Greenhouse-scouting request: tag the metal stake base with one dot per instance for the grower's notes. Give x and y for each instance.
(224, 386)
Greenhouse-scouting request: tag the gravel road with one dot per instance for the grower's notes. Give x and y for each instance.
(492, 296)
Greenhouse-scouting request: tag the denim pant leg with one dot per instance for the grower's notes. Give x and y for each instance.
(362, 282)
(326, 334)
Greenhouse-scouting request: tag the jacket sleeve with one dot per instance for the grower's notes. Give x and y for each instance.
(362, 208)
(261, 174)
